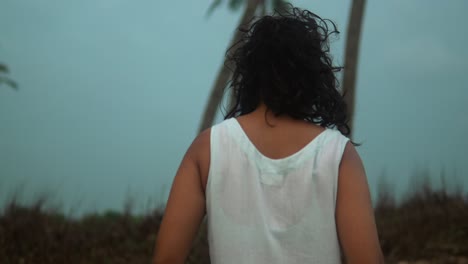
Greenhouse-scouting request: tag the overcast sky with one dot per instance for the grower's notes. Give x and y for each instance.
(111, 93)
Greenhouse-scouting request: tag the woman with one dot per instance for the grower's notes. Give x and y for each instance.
(278, 180)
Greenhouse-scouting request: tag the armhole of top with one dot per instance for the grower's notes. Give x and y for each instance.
(213, 132)
(342, 141)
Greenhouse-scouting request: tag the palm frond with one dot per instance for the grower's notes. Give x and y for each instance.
(281, 5)
(9, 82)
(235, 4)
(4, 79)
(213, 6)
(3, 68)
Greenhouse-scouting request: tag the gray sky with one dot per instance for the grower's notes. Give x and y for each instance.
(111, 93)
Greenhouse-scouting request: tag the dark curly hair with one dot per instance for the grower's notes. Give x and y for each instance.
(283, 61)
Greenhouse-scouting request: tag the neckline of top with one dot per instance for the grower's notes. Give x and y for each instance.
(252, 146)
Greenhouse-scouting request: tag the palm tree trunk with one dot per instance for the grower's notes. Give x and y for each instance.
(224, 74)
(351, 57)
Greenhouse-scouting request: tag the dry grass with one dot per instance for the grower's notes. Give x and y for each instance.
(35, 235)
(429, 224)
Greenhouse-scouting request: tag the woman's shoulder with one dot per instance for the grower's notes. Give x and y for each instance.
(201, 143)
(200, 151)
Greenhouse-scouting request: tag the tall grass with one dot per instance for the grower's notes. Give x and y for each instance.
(33, 234)
(427, 224)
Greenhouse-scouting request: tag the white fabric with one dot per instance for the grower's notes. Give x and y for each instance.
(267, 211)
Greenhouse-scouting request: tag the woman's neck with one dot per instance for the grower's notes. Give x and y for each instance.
(264, 113)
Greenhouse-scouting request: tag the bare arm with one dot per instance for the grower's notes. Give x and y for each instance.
(185, 207)
(354, 213)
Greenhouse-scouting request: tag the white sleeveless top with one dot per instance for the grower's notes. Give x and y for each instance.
(268, 211)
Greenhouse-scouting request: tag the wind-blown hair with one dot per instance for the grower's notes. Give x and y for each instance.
(283, 61)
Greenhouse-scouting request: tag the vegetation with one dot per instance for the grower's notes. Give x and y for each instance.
(427, 225)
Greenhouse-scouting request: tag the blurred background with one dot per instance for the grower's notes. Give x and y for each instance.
(99, 99)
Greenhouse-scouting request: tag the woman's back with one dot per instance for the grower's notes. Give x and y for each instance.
(271, 202)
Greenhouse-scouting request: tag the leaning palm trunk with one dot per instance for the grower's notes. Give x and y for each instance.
(224, 74)
(351, 57)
